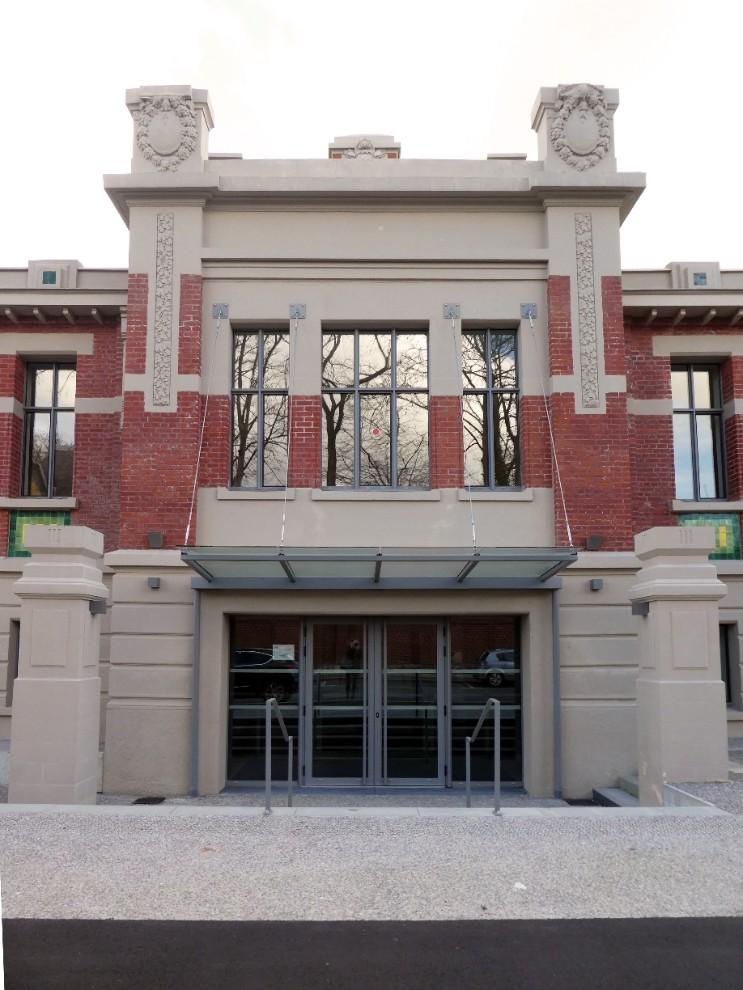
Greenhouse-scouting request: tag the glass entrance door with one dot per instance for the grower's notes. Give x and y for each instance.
(374, 703)
(411, 733)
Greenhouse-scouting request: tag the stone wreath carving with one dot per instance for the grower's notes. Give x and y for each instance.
(581, 127)
(166, 131)
(364, 149)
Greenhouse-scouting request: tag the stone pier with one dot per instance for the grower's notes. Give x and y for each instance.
(680, 695)
(56, 699)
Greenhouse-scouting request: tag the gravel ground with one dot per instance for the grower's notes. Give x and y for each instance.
(728, 796)
(172, 863)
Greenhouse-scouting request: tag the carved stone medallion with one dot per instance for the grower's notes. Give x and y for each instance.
(364, 149)
(166, 131)
(581, 128)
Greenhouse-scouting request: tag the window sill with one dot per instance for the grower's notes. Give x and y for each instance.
(496, 495)
(381, 495)
(36, 504)
(711, 505)
(734, 714)
(255, 495)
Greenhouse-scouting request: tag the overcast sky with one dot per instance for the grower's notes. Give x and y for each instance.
(449, 80)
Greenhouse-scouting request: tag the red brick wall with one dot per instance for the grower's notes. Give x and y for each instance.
(592, 448)
(159, 449)
(97, 437)
(560, 333)
(536, 452)
(214, 470)
(136, 336)
(446, 442)
(11, 438)
(651, 437)
(189, 321)
(158, 460)
(305, 419)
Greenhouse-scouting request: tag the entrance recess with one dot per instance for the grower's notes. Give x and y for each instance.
(375, 703)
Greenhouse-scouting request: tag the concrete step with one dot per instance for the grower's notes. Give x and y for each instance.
(630, 784)
(614, 797)
(735, 771)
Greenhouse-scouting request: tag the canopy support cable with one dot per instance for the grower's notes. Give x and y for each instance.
(220, 310)
(553, 446)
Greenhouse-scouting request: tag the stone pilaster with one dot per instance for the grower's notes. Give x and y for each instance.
(56, 698)
(680, 695)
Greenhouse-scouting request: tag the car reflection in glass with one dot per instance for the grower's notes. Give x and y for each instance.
(266, 675)
(498, 668)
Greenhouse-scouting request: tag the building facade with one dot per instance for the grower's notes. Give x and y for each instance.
(375, 437)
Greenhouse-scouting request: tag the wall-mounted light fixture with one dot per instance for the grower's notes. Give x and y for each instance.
(97, 606)
(594, 542)
(596, 584)
(641, 608)
(153, 583)
(155, 541)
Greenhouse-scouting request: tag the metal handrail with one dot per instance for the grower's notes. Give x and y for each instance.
(496, 753)
(270, 704)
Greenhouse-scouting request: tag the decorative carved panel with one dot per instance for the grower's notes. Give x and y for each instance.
(587, 333)
(163, 335)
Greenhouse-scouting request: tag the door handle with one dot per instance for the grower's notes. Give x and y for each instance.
(377, 714)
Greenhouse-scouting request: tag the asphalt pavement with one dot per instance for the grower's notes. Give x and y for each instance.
(649, 953)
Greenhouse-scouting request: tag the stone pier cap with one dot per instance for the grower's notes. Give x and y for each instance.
(65, 562)
(676, 565)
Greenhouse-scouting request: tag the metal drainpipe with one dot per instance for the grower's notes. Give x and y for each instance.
(556, 714)
(195, 680)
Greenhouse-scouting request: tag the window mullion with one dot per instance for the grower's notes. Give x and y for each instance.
(259, 410)
(356, 413)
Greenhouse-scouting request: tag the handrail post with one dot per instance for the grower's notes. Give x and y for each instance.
(290, 781)
(467, 746)
(496, 756)
(269, 702)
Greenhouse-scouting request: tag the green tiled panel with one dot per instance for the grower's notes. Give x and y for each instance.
(727, 531)
(18, 520)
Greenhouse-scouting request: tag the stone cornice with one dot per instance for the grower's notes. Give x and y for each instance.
(419, 182)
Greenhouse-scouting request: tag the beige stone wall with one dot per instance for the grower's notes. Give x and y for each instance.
(598, 669)
(148, 723)
(10, 608)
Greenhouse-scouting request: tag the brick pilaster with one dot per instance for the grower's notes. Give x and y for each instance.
(305, 455)
(446, 441)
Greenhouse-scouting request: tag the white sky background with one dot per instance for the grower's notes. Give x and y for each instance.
(449, 80)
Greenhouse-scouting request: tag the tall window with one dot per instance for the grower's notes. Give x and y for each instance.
(697, 431)
(375, 408)
(260, 373)
(49, 430)
(490, 407)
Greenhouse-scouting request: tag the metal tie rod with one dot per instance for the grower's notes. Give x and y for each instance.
(272, 703)
(496, 753)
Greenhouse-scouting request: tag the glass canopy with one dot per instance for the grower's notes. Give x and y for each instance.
(367, 567)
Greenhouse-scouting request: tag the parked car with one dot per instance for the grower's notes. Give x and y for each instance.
(263, 674)
(499, 667)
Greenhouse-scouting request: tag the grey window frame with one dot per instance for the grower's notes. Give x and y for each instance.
(694, 413)
(489, 391)
(14, 653)
(260, 392)
(393, 391)
(28, 414)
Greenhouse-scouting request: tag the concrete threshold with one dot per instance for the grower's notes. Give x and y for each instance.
(179, 811)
